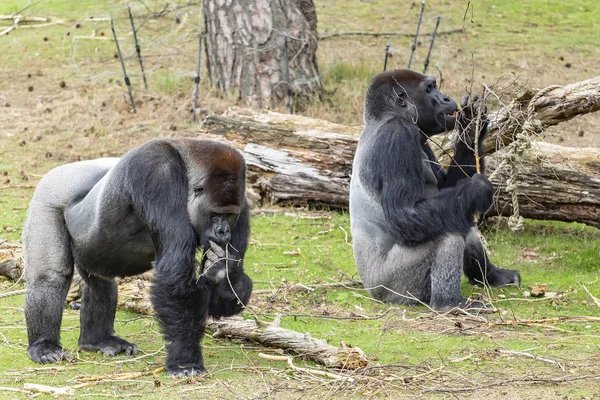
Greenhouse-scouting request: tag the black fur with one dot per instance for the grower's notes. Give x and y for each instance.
(412, 220)
(159, 202)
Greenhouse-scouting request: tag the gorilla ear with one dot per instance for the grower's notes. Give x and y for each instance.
(400, 99)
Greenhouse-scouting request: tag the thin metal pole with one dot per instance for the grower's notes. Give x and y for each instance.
(287, 77)
(414, 45)
(112, 27)
(137, 47)
(387, 49)
(437, 23)
(197, 79)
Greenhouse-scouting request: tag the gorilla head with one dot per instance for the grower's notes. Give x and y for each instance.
(402, 91)
(216, 191)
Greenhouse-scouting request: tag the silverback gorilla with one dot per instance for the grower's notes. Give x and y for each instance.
(119, 217)
(412, 221)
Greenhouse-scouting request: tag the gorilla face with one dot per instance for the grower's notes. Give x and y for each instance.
(216, 196)
(412, 95)
(433, 111)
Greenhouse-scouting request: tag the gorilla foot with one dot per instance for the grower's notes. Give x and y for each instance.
(187, 371)
(46, 352)
(110, 346)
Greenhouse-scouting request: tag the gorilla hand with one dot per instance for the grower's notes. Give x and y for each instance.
(481, 193)
(470, 109)
(220, 263)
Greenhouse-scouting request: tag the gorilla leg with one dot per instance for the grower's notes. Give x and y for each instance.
(446, 273)
(97, 317)
(48, 272)
(478, 267)
(181, 305)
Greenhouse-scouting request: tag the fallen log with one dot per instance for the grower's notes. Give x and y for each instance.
(553, 183)
(295, 160)
(135, 296)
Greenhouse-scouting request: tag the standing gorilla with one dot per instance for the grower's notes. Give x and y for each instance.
(412, 221)
(119, 217)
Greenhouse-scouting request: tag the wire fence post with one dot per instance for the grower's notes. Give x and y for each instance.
(137, 47)
(437, 23)
(197, 79)
(414, 45)
(112, 27)
(287, 75)
(387, 52)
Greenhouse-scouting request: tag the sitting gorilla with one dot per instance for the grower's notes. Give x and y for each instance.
(120, 217)
(412, 221)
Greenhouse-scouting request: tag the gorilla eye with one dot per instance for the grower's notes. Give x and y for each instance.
(429, 88)
(198, 190)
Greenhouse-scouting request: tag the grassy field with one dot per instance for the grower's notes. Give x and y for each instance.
(62, 99)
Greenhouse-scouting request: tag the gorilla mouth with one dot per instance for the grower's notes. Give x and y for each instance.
(452, 114)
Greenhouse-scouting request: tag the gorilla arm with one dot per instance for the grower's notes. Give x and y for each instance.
(160, 196)
(463, 163)
(393, 171)
(224, 271)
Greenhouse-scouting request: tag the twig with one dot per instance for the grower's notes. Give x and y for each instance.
(594, 299)
(301, 369)
(14, 293)
(414, 44)
(376, 34)
(312, 288)
(26, 7)
(18, 187)
(10, 389)
(86, 382)
(121, 376)
(529, 355)
(512, 380)
(10, 28)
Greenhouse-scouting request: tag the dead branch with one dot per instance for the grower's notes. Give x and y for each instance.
(311, 288)
(136, 297)
(306, 370)
(529, 355)
(271, 335)
(377, 34)
(504, 382)
(10, 28)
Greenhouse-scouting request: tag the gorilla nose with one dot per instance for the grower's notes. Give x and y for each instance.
(223, 232)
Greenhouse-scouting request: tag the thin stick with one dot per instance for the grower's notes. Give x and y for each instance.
(197, 78)
(307, 370)
(387, 51)
(476, 143)
(112, 27)
(437, 23)
(14, 293)
(137, 47)
(287, 76)
(414, 45)
(377, 34)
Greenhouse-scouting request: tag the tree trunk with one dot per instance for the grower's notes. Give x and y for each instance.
(294, 160)
(245, 49)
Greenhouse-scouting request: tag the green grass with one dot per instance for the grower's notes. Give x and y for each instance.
(50, 126)
(318, 251)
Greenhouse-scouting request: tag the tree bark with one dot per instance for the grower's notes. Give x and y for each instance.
(553, 183)
(245, 49)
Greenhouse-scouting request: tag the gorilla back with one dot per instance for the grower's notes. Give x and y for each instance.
(412, 221)
(116, 217)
